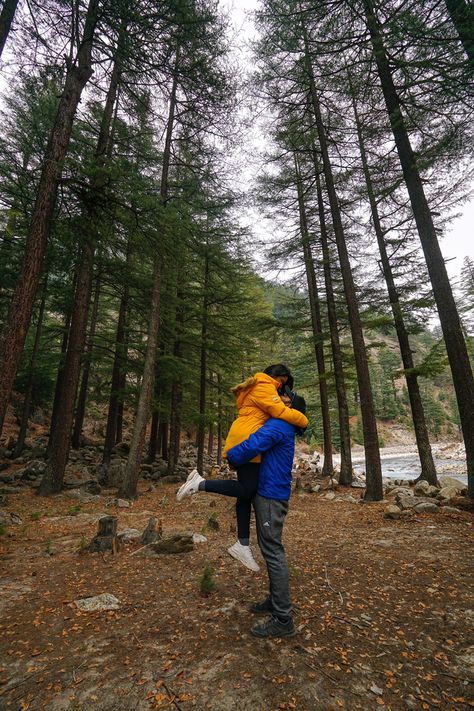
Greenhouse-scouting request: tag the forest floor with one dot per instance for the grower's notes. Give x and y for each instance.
(383, 610)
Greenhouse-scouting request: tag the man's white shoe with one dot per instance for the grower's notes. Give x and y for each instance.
(190, 486)
(244, 555)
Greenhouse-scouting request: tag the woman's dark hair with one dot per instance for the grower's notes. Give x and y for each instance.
(279, 369)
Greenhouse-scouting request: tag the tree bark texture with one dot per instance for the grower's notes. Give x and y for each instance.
(428, 470)
(132, 471)
(316, 324)
(448, 315)
(20, 444)
(6, 19)
(374, 488)
(201, 432)
(345, 474)
(462, 17)
(21, 306)
(61, 435)
(82, 397)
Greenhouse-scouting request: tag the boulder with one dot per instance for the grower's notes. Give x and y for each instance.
(392, 511)
(426, 507)
(450, 509)
(399, 491)
(451, 481)
(421, 488)
(179, 543)
(448, 492)
(409, 502)
(128, 535)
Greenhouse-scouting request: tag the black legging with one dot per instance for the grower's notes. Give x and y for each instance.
(244, 490)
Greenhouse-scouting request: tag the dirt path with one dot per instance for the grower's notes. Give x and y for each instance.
(383, 609)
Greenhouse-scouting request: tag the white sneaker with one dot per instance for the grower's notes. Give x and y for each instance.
(190, 486)
(244, 555)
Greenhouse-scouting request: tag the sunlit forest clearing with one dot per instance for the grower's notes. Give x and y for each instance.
(183, 203)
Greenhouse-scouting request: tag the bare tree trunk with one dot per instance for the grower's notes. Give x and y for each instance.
(374, 488)
(21, 306)
(164, 446)
(462, 17)
(6, 19)
(128, 488)
(20, 445)
(201, 432)
(219, 421)
(428, 471)
(318, 339)
(117, 373)
(448, 315)
(82, 397)
(345, 474)
(153, 441)
(61, 435)
(60, 439)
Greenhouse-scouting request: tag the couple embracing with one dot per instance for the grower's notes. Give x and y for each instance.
(260, 446)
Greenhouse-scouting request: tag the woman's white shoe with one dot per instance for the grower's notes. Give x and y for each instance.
(244, 555)
(190, 486)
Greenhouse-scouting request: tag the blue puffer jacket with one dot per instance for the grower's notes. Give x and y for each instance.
(275, 439)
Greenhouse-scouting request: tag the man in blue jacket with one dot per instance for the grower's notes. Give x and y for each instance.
(276, 441)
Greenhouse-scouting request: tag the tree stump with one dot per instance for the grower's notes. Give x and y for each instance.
(106, 537)
(152, 532)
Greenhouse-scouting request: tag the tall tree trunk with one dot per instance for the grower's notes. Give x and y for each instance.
(82, 397)
(448, 315)
(176, 396)
(128, 488)
(61, 435)
(21, 306)
(20, 444)
(345, 474)
(164, 442)
(153, 441)
(6, 19)
(374, 488)
(315, 311)
(219, 422)
(462, 17)
(118, 371)
(201, 432)
(428, 470)
(60, 439)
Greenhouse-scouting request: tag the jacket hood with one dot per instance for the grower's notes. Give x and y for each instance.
(241, 390)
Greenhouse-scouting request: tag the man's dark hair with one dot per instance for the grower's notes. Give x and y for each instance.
(299, 403)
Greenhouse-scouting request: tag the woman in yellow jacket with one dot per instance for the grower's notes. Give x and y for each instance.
(257, 400)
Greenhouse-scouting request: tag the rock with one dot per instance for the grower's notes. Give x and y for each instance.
(421, 488)
(426, 507)
(122, 503)
(466, 661)
(128, 535)
(105, 601)
(392, 511)
(465, 503)
(315, 488)
(409, 502)
(376, 690)
(451, 481)
(450, 509)
(179, 543)
(399, 491)
(330, 495)
(93, 487)
(199, 538)
(448, 492)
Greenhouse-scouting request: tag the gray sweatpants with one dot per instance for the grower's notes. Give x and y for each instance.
(270, 516)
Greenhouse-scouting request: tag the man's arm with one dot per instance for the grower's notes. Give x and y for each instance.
(260, 441)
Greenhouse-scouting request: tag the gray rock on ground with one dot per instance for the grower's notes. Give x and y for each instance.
(392, 512)
(105, 601)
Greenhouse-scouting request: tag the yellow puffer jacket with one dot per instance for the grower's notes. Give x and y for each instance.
(257, 401)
